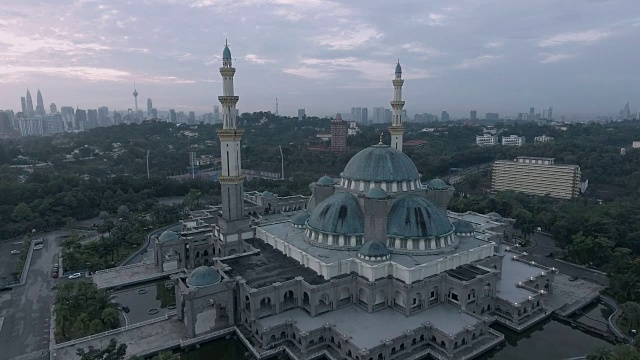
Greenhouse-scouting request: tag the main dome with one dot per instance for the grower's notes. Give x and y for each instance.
(203, 276)
(413, 216)
(338, 214)
(380, 163)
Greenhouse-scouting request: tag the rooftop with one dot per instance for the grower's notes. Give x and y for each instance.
(514, 272)
(466, 272)
(368, 330)
(269, 266)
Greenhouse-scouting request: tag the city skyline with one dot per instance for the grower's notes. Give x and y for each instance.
(498, 57)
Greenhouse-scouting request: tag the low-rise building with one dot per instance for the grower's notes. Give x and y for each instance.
(486, 140)
(542, 139)
(513, 140)
(536, 176)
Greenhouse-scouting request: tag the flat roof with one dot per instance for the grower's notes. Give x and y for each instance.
(295, 237)
(514, 272)
(368, 330)
(466, 272)
(268, 267)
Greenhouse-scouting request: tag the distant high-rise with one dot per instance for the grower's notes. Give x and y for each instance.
(387, 115)
(29, 112)
(356, 114)
(216, 114)
(52, 124)
(378, 115)
(135, 96)
(473, 115)
(6, 125)
(154, 113)
(625, 113)
(149, 107)
(53, 108)
(550, 112)
(68, 117)
(492, 116)
(92, 119)
(23, 102)
(192, 118)
(532, 113)
(103, 116)
(80, 120)
(31, 126)
(173, 118)
(117, 118)
(40, 104)
(339, 131)
(301, 114)
(364, 116)
(445, 116)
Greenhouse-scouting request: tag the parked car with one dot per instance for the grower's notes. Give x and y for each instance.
(573, 278)
(38, 247)
(75, 276)
(54, 274)
(15, 252)
(38, 241)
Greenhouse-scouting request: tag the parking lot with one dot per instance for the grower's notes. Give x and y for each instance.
(8, 261)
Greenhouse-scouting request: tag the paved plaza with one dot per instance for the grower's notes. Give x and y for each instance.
(127, 275)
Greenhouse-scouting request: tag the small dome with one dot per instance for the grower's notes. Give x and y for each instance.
(494, 215)
(168, 236)
(437, 184)
(380, 163)
(203, 276)
(326, 181)
(463, 227)
(338, 214)
(398, 68)
(226, 53)
(374, 249)
(300, 219)
(413, 216)
(267, 193)
(376, 193)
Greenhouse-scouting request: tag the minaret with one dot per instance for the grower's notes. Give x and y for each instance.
(135, 97)
(231, 179)
(396, 129)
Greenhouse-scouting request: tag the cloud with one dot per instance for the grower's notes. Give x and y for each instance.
(347, 38)
(493, 44)
(432, 19)
(588, 36)
(75, 72)
(308, 72)
(416, 48)
(256, 59)
(477, 61)
(552, 58)
(369, 70)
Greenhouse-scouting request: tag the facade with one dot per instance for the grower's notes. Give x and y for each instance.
(371, 266)
(444, 116)
(173, 118)
(365, 116)
(513, 140)
(80, 122)
(53, 108)
(92, 119)
(301, 114)
(473, 115)
(103, 116)
(536, 176)
(492, 116)
(31, 126)
(52, 124)
(339, 131)
(149, 107)
(6, 125)
(216, 115)
(542, 139)
(486, 140)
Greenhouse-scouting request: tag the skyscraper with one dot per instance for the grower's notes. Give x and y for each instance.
(387, 116)
(23, 102)
(339, 130)
(192, 118)
(149, 107)
(216, 114)
(301, 114)
(473, 115)
(6, 126)
(40, 104)
(532, 113)
(154, 113)
(625, 113)
(68, 117)
(444, 116)
(80, 120)
(117, 118)
(492, 116)
(92, 119)
(356, 114)
(173, 118)
(364, 116)
(53, 108)
(550, 112)
(29, 112)
(397, 129)
(103, 116)
(378, 115)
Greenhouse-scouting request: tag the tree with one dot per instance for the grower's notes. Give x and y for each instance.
(164, 355)
(113, 351)
(123, 211)
(601, 353)
(631, 312)
(22, 213)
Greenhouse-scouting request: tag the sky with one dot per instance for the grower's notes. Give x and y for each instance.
(579, 56)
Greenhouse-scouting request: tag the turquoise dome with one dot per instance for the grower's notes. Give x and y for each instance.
(437, 184)
(413, 216)
(226, 53)
(463, 227)
(326, 181)
(300, 219)
(374, 249)
(376, 193)
(168, 236)
(380, 163)
(494, 215)
(398, 67)
(267, 193)
(203, 276)
(338, 214)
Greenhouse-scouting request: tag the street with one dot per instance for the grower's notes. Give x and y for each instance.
(25, 310)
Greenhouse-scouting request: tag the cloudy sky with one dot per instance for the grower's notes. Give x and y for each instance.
(579, 56)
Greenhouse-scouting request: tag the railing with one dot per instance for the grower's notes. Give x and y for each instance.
(611, 323)
(115, 331)
(145, 263)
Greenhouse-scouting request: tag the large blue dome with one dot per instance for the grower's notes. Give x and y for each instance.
(168, 236)
(413, 216)
(338, 214)
(203, 276)
(380, 163)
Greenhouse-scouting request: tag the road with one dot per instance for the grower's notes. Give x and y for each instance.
(25, 310)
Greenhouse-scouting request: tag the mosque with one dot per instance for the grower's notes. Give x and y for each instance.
(371, 266)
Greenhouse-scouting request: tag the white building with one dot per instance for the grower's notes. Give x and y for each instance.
(353, 128)
(513, 140)
(542, 139)
(486, 140)
(635, 144)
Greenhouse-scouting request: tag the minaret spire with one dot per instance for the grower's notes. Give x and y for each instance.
(231, 178)
(397, 129)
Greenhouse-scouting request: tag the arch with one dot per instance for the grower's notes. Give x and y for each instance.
(452, 296)
(473, 336)
(288, 300)
(381, 297)
(349, 354)
(434, 296)
(283, 335)
(398, 299)
(472, 294)
(272, 338)
(247, 303)
(455, 345)
(306, 302)
(402, 347)
(537, 303)
(488, 307)
(414, 341)
(393, 350)
(321, 339)
(344, 297)
(232, 252)
(362, 296)
(380, 357)
(265, 306)
(324, 303)
(417, 301)
(443, 344)
(537, 287)
(464, 341)
(205, 253)
(547, 286)
(433, 339)
(197, 254)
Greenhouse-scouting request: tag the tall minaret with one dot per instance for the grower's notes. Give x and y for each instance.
(396, 129)
(231, 178)
(135, 96)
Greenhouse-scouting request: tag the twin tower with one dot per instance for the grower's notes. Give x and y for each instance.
(231, 179)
